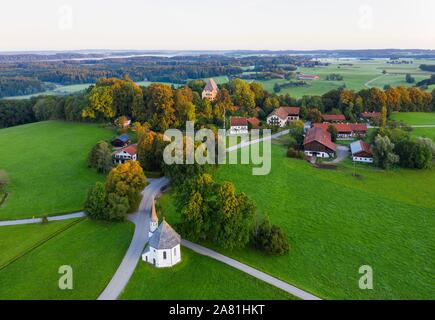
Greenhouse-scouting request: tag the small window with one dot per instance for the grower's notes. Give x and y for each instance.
(164, 255)
(175, 252)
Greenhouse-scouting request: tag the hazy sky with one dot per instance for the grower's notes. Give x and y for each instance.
(216, 24)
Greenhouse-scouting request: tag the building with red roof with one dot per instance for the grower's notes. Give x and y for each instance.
(361, 151)
(345, 130)
(333, 117)
(370, 115)
(238, 125)
(283, 115)
(125, 154)
(254, 122)
(317, 143)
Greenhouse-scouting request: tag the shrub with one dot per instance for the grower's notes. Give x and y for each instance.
(95, 202)
(414, 154)
(100, 157)
(270, 238)
(292, 153)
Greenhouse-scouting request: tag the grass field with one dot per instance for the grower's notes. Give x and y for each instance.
(337, 223)
(16, 240)
(46, 162)
(93, 249)
(197, 277)
(415, 118)
(359, 75)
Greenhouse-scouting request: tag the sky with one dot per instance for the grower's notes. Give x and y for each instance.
(216, 25)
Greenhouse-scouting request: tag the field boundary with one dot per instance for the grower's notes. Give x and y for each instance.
(39, 243)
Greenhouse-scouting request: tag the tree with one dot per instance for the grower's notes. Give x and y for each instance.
(314, 115)
(270, 238)
(242, 95)
(276, 88)
(413, 154)
(409, 78)
(117, 207)
(127, 180)
(160, 106)
(150, 150)
(383, 120)
(384, 156)
(232, 218)
(296, 131)
(95, 202)
(100, 157)
(333, 131)
(100, 104)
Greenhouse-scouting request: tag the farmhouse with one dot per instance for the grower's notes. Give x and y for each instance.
(210, 91)
(163, 249)
(125, 154)
(238, 125)
(333, 117)
(370, 115)
(307, 77)
(282, 116)
(317, 143)
(361, 151)
(345, 130)
(253, 122)
(121, 141)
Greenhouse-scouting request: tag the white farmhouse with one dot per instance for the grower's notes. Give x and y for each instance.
(163, 249)
(238, 125)
(283, 116)
(210, 91)
(125, 154)
(361, 152)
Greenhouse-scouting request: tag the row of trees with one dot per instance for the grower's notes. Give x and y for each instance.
(18, 86)
(163, 106)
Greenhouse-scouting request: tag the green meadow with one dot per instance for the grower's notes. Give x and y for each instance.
(337, 222)
(356, 74)
(46, 163)
(94, 250)
(415, 118)
(197, 277)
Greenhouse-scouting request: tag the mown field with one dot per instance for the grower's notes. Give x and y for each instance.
(46, 163)
(418, 118)
(197, 277)
(359, 75)
(337, 223)
(415, 118)
(94, 250)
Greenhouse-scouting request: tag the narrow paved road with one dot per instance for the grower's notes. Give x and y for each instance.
(247, 143)
(39, 220)
(140, 238)
(251, 271)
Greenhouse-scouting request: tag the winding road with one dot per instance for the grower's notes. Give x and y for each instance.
(141, 221)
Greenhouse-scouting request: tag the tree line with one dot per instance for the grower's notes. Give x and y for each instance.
(19, 86)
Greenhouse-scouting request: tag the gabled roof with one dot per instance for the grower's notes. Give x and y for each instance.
(321, 136)
(255, 122)
(371, 115)
(123, 137)
(164, 237)
(343, 127)
(360, 146)
(238, 121)
(284, 112)
(211, 85)
(131, 149)
(333, 117)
